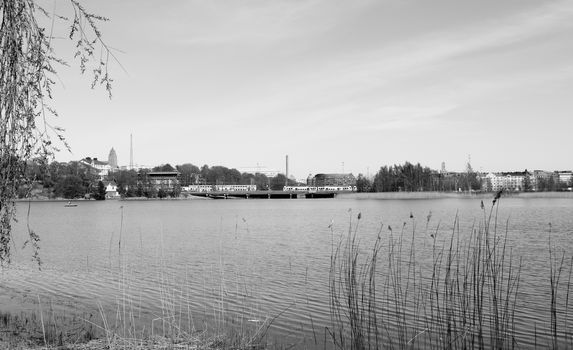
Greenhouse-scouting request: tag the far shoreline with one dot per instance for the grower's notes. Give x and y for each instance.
(444, 195)
(350, 195)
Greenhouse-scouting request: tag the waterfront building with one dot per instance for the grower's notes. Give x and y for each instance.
(509, 181)
(565, 177)
(110, 189)
(163, 179)
(542, 175)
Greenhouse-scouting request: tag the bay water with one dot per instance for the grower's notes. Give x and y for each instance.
(252, 260)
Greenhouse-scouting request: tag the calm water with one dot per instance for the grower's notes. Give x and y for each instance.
(252, 258)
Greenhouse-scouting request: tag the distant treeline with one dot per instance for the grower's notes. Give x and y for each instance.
(76, 180)
(414, 177)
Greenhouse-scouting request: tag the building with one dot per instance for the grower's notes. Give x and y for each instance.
(112, 159)
(542, 177)
(259, 170)
(322, 180)
(163, 179)
(96, 166)
(110, 189)
(565, 177)
(509, 181)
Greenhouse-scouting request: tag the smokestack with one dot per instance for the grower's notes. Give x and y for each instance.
(286, 170)
(130, 151)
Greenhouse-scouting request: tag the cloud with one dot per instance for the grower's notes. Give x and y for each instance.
(258, 22)
(382, 87)
(423, 50)
(404, 117)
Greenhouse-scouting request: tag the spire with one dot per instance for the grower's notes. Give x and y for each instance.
(112, 158)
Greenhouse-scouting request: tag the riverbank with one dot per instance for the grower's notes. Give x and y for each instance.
(350, 195)
(28, 331)
(443, 195)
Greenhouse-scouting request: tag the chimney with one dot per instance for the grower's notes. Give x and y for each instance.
(286, 170)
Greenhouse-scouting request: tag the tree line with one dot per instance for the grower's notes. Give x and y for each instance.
(76, 180)
(415, 177)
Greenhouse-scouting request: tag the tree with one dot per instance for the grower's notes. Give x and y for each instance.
(471, 179)
(126, 182)
(552, 183)
(258, 179)
(363, 184)
(70, 187)
(161, 193)
(100, 194)
(175, 191)
(278, 182)
(27, 71)
(189, 173)
(527, 187)
(164, 167)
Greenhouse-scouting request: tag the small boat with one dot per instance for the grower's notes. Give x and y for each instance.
(70, 204)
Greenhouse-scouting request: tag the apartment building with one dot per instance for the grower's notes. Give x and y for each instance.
(509, 181)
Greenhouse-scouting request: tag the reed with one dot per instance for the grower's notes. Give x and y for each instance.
(169, 321)
(172, 321)
(466, 299)
(48, 327)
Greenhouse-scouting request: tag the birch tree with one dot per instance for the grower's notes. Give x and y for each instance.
(28, 69)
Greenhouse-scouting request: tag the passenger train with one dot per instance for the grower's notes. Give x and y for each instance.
(319, 189)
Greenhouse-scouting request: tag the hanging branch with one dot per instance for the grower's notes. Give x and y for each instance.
(27, 72)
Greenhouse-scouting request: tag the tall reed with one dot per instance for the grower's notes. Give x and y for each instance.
(466, 299)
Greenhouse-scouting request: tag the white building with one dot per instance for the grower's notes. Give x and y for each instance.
(512, 181)
(97, 166)
(111, 189)
(565, 176)
(259, 170)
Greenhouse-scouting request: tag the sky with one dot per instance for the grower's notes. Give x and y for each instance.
(338, 86)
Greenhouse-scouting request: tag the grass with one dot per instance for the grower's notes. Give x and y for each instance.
(48, 328)
(126, 326)
(128, 323)
(467, 298)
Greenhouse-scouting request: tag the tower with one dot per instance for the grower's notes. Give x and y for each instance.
(112, 159)
(286, 173)
(130, 151)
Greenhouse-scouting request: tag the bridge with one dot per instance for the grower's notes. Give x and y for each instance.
(264, 194)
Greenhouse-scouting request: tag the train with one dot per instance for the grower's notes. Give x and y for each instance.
(319, 189)
(220, 188)
(253, 188)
